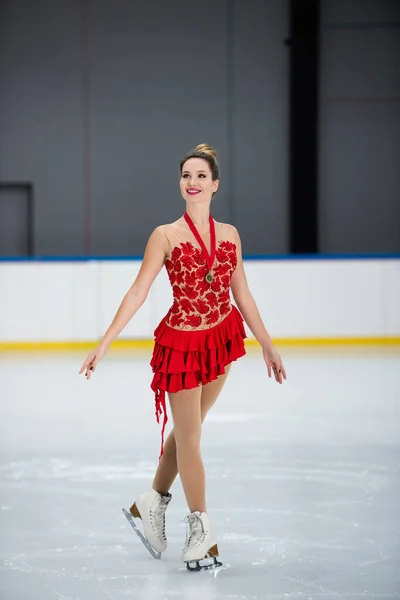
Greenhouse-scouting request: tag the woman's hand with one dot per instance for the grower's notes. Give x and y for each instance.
(274, 363)
(92, 360)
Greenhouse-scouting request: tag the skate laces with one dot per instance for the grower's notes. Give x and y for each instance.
(195, 531)
(159, 516)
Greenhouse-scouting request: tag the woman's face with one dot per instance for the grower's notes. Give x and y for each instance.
(196, 182)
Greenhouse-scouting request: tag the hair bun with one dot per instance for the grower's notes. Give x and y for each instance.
(206, 149)
(205, 152)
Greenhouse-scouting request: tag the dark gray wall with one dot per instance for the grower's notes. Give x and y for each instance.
(359, 191)
(99, 101)
(41, 115)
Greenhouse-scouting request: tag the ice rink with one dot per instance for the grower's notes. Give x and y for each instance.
(303, 480)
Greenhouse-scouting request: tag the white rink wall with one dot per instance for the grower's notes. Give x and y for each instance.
(62, 301)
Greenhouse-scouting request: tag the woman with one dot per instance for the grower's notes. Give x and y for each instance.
(195, 344)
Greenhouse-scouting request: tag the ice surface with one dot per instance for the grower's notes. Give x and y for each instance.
(303, 481)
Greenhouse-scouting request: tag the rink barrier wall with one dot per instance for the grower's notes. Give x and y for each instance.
(67, 303)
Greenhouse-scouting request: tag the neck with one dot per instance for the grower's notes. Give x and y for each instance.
(199, 213)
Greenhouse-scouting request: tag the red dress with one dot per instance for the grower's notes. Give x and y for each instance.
(202, 332)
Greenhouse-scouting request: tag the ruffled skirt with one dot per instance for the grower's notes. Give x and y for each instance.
(183, 360)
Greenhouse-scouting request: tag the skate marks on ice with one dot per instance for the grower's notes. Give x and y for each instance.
(281, 572)
(335, 535)
(121, 571)
(94, 572)
(261, 568)
(160, 581)
(321, 529)
(321, 553)
(91, 572)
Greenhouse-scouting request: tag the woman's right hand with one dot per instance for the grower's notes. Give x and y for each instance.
(92, 360)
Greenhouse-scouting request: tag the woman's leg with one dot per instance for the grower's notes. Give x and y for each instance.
(168, 467)
(186, 414)
(211, 391)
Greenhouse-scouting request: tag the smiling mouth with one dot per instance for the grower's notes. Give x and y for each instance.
(193, 192)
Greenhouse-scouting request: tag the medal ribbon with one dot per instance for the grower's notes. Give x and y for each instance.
(209, 258)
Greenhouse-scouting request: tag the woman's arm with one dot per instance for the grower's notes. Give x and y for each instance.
(244, 299)
(247, 306)
(153, 261)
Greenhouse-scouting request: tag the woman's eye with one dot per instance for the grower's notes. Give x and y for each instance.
(186, 175)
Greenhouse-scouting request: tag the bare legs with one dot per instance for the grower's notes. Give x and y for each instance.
(167, 468)
(186, 413)
(182, 447)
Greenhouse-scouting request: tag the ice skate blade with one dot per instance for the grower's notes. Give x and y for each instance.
(144, 541)
(194, 566)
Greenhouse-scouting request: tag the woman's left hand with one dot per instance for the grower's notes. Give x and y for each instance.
(274, 363)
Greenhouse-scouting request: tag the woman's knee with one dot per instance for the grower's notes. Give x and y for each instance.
(188, 442)
(170, 445)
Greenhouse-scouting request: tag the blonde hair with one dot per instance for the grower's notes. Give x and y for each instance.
(209, 154)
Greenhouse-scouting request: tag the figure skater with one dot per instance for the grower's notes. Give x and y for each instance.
(195, 344)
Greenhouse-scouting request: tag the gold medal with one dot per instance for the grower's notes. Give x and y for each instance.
(209, 277)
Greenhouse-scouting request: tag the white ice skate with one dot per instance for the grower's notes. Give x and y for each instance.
(150, 507)
(200, 551)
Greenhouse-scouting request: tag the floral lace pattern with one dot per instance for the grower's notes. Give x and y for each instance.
(197, 303)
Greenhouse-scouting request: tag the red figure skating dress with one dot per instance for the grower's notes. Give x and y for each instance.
(202, 332)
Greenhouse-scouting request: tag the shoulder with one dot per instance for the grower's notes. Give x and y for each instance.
(159, 237)
(158, 232)
(230, 230)
(169, 234)
(163, 229)
(175, 226)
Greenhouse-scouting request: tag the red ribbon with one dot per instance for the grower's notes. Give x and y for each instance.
(209, 258)
(161, 408)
